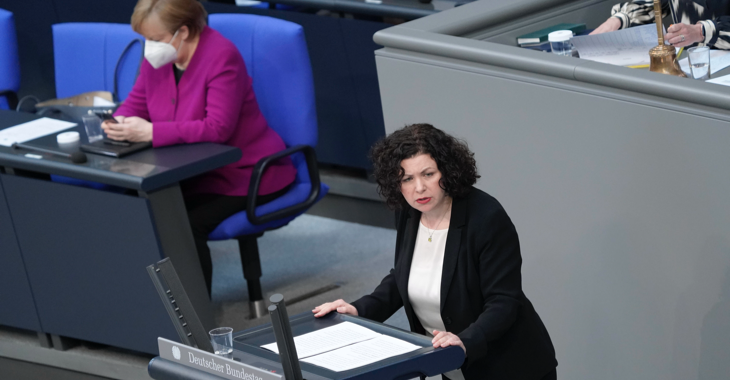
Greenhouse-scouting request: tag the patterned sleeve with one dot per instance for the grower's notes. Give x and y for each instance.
(717, 32)
(637, 12)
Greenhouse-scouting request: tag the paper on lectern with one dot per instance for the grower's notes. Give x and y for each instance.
(346, 346)
(361, 354)
(327, 339)
(625, 47)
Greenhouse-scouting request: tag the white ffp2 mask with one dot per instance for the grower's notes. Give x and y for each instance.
(159, 53)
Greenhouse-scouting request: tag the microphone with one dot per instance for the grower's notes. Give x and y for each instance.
(75, 157)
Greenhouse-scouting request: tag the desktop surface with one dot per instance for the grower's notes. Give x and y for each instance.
(146, 170)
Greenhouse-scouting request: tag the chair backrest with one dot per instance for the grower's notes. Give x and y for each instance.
(277, 60)
(9, 63)
(85, 55)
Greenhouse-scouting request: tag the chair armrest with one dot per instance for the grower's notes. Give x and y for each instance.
(258, 171)
(12, 98)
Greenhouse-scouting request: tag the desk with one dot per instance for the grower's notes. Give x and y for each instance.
(84, 251)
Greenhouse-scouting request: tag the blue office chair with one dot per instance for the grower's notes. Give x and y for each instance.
(9, 63)
(87, 56)
(277, 60)
(265, 5)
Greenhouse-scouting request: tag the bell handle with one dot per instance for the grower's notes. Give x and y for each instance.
(658, 18)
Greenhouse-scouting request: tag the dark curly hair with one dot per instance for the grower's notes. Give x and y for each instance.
(453, 158)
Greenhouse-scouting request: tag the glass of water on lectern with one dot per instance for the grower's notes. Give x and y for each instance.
(699, 62)
(222, 340)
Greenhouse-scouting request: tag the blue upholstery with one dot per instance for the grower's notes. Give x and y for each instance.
(85, 55)
(277, 60)
(9, 63)
(281, 7)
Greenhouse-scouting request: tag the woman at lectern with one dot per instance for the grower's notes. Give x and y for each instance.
(193, 87)
(457, 266)
(706, 22)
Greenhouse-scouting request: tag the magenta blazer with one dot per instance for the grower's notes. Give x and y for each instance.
(214, 102)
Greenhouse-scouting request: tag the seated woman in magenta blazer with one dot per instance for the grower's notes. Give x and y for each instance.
(193, 87)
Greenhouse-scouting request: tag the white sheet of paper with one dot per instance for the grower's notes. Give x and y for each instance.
(723, 80)
(101, 102)
(363, 353)
(625, 47)
(328, 339)
(247, 3)
(32, 130)
(719, 59)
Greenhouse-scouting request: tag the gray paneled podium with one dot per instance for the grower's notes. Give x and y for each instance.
(260, 363)
(74, 257)
(617, 179)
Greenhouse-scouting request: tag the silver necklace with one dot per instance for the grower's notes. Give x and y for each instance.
(430, 233)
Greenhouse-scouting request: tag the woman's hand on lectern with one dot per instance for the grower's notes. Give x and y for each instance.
(445, 339)
(611, 25)
(340, 306)
(680, 35)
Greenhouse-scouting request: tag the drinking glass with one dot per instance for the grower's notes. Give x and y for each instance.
(560, 42)
(699, 62)
(222, 339)
(92, 123)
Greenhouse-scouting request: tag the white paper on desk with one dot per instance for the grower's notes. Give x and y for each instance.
(363, 353)
(247, 3)
(328, 339)
(719, 59)
(625, 47)
(723, 80)
(101, 102)
(32, 130)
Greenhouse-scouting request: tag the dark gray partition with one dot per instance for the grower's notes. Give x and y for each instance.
(16, 296)
(616, 179)
(88, 267)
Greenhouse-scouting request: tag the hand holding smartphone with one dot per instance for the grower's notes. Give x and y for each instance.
(107, 117)
(110, 118)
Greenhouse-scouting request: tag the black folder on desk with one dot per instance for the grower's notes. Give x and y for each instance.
(106, 149)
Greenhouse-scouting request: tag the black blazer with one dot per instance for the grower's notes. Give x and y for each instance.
(481, 292)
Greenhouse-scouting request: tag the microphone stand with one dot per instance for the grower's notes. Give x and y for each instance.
(284, 338)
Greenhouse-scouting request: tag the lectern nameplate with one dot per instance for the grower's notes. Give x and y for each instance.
(210, 363)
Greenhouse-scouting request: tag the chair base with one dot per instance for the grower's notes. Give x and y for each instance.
(251, 262)
(257, 309)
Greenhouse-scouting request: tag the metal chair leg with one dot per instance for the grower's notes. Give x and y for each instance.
(249, 248)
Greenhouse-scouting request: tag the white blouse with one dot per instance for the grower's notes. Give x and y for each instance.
(424, 282)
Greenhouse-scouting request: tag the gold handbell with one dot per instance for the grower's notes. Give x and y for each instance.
(663, 57)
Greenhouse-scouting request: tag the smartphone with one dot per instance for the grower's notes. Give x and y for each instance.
(107, 117)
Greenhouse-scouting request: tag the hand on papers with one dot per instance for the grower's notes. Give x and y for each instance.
(341, 306)
(445, 339)
(691, 33)
(133, 128)
(610, 25)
